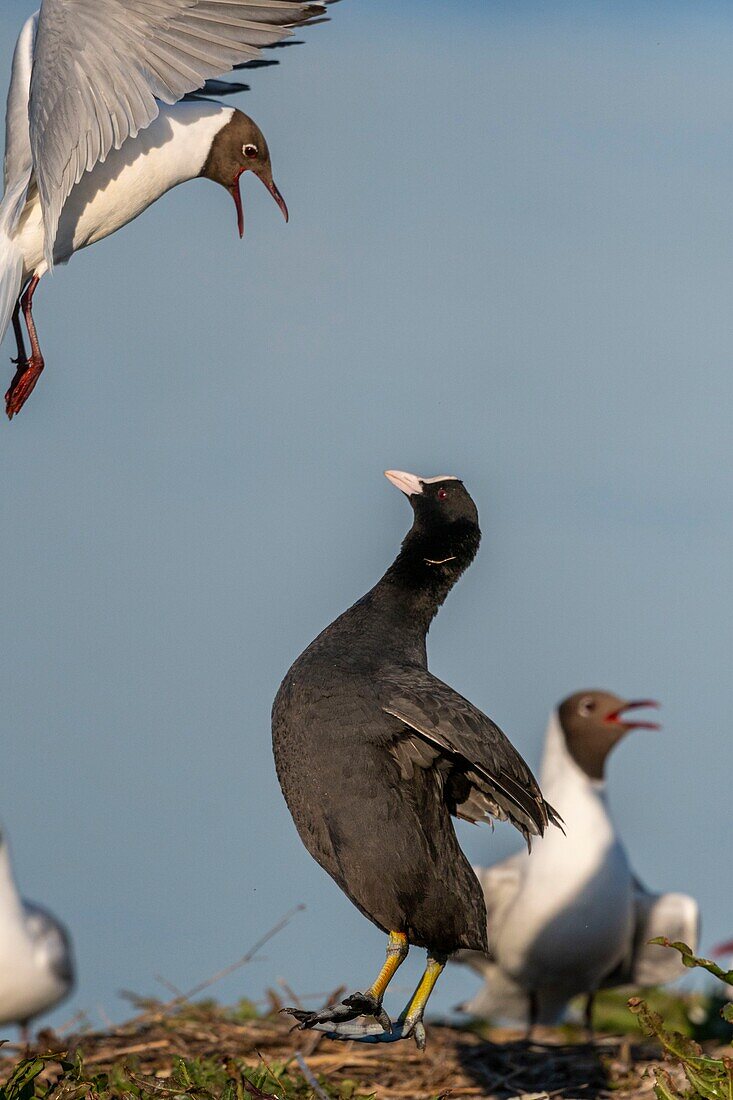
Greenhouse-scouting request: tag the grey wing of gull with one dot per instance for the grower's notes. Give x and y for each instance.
(675, 916)
(490, 780)
(53, 942)
(101, 66)
(18, 165)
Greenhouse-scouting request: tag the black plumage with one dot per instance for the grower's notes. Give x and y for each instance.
(374, 754)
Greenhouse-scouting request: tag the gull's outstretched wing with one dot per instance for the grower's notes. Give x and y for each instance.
(101, 66)
(489, 778)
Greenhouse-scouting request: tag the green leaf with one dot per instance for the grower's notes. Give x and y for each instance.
(691, 960)
(679, 1046)
(664, 1088)
(21, 1085)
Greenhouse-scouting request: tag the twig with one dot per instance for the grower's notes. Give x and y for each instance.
(310, 1078)
(137, 1048)
(246, 958)
(168, 985)
(290, 993)
(159, 1011)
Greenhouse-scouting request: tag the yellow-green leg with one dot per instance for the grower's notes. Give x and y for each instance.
(397, 949)
(411, 1020)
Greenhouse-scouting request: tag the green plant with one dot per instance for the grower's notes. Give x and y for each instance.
(55, 1077)
(707, 1078)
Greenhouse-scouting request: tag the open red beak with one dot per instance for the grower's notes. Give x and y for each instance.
(236, 194)
(618, 716)
(273, 189)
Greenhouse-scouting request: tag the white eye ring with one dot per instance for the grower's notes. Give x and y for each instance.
(250, 150)
(586, 706)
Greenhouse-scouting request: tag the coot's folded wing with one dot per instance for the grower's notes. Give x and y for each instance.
(489, 778)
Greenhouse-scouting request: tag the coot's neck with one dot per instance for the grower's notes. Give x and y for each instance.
(423, 573)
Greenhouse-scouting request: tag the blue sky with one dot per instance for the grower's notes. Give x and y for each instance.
(510, 258)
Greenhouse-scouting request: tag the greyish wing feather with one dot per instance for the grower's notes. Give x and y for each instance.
(18, 167)
(492, 779)
(101, 66)
(52, 941)
(676, 916)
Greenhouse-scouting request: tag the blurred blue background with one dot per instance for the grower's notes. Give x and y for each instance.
(510, 257)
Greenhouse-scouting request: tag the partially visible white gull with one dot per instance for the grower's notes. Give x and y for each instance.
(571, 917)
(95, 132)
(36, 960)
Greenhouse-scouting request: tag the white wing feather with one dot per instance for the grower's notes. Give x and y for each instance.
(101, 66)
(18, 166)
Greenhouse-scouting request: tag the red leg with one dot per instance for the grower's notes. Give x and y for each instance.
(18, 330)
(29, 370)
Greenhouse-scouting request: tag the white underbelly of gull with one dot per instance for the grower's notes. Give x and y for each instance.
(172, 150)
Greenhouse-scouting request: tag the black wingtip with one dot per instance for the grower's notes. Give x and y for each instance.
(257, 63)
(553, 818)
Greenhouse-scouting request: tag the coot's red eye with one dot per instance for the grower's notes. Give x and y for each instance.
(442, 494)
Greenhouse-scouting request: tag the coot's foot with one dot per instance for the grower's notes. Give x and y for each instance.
(362, 1032)
(357, 1016)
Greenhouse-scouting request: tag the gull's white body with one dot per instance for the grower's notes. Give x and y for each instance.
(573, 915)
(172, 150)
(36, 966)
(570, 917)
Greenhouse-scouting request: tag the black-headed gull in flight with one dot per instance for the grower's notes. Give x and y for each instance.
(102, 121)
(36, 961)
(572, 917)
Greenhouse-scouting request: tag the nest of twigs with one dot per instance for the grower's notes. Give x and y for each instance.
(200, 1051)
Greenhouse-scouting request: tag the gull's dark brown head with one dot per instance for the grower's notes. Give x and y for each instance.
(593, 722)
(240, 147)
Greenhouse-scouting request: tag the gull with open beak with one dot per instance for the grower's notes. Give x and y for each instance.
(108, 110)
(573, 918)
